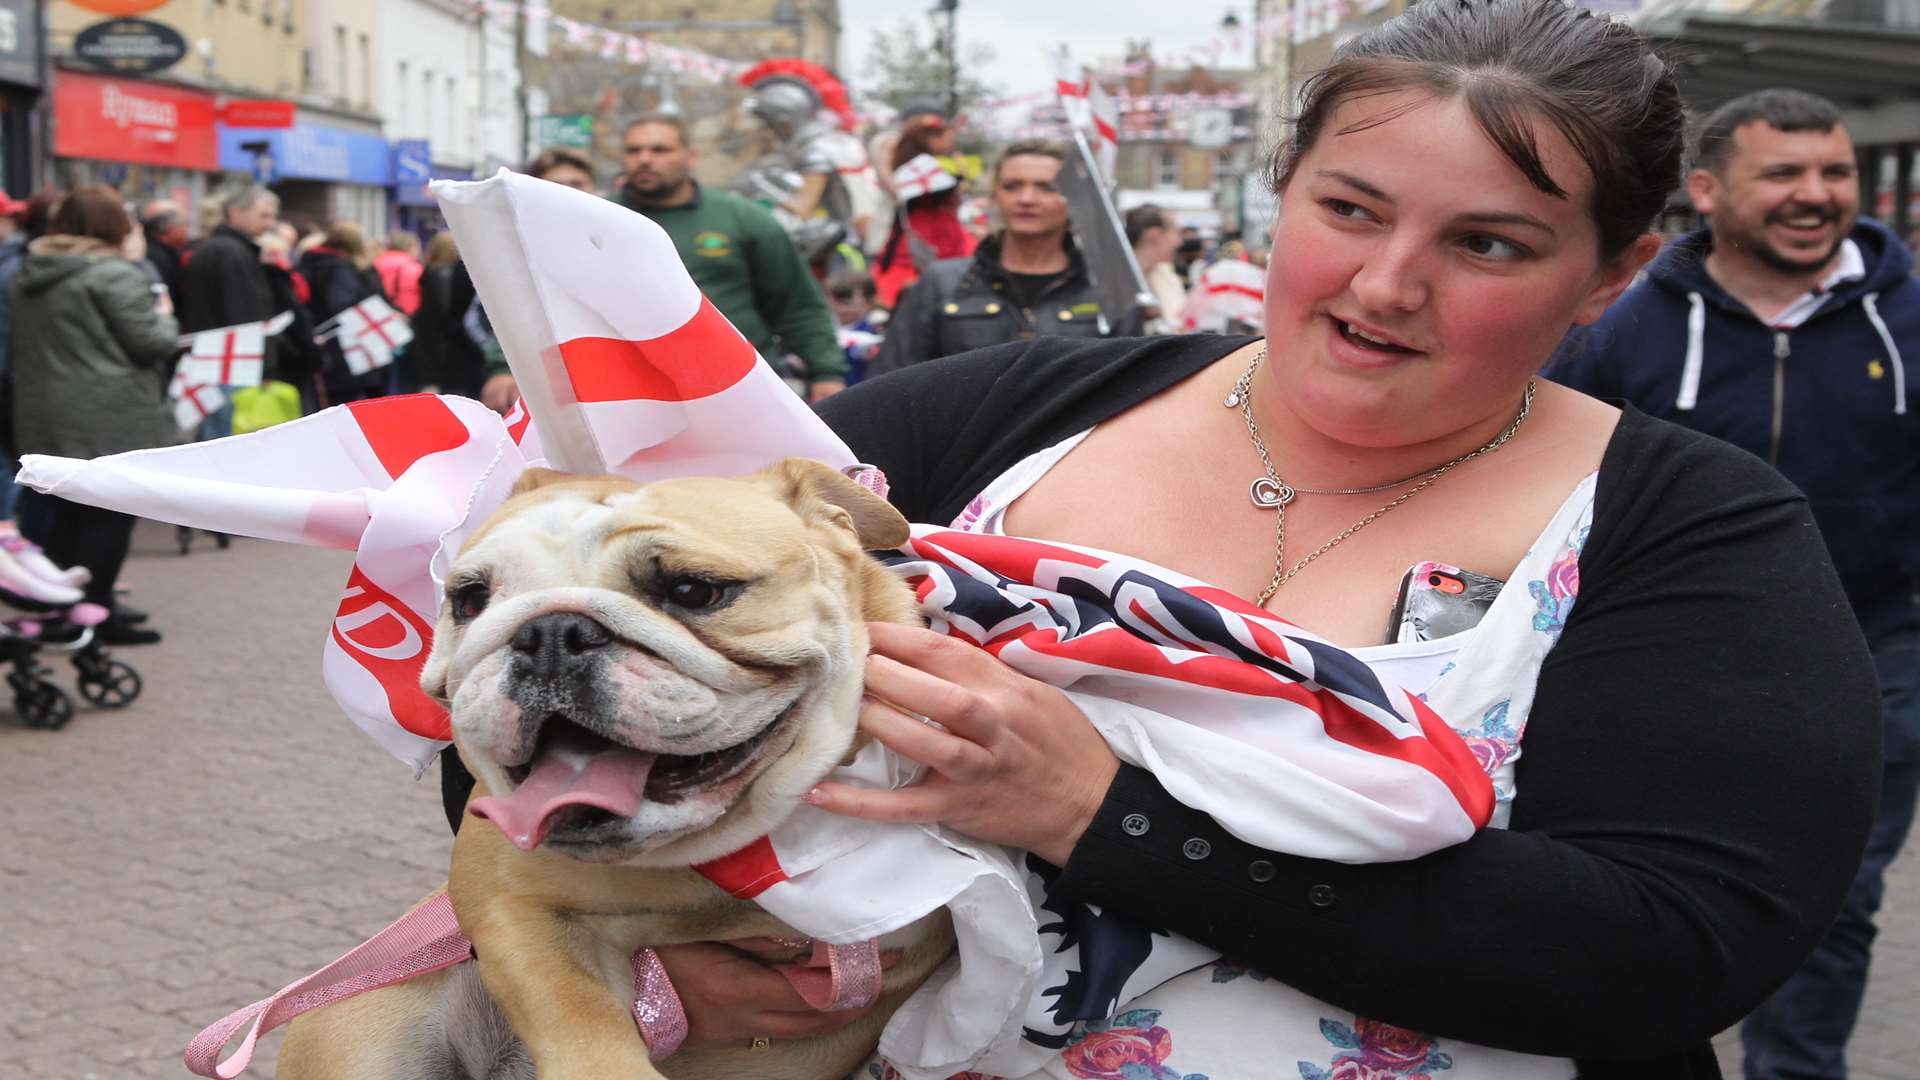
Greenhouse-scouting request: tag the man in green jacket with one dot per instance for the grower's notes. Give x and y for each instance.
(735, 251)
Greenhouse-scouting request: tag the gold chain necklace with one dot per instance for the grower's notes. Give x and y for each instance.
(1271, 491)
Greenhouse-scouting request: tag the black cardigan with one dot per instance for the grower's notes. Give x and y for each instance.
(1700, 769)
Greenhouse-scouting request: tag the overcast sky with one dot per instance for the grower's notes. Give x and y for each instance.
(1020, 31)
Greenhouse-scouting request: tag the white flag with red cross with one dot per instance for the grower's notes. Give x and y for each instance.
(1089, 108)
(624, 365)
(924, 175)
(192, 404)
(1229, 291)
(369, 333)
(398, 480)
(228, 356)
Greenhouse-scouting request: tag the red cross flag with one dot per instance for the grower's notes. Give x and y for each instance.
(399, 480)
(193, 404)
(1229, 291)
(924, 175)
(228, 356)
(1089, 108)
(624, 365)
(369, 333)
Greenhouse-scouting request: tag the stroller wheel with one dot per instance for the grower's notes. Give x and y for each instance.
(112, 685)
(183, 536)
(43, 705)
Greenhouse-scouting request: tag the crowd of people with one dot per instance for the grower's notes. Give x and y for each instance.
(1462, 263)
(98, 304)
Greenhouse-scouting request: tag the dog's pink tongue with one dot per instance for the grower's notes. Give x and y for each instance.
(611, 779)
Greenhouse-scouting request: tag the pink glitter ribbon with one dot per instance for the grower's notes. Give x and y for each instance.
(424, 939)
(657, 1011)
(837, 977)
(832, 979)
(869, 477)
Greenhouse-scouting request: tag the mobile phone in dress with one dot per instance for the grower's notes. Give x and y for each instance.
(1437, 600)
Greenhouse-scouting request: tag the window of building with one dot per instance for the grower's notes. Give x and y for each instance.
(1225, 168)
(401, 90)
(426, 103)
(366, 73)
(340, 83)
(1166, 169)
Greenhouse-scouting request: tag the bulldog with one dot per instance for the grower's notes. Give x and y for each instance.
(641, 678)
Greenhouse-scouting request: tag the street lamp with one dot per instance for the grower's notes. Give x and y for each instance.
(951, 8)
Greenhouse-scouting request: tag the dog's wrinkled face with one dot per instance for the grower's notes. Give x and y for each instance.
(655, 674)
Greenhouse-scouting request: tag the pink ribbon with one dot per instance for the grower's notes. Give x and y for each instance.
(424, 939)
(833, 978)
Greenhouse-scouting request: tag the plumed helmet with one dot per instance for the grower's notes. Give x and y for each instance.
(783, 103)
(788, 91)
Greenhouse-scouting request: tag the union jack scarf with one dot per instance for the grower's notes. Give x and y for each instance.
(1286, 740)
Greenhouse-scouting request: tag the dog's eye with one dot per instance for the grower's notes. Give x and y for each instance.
(695, 593)
(470, 600)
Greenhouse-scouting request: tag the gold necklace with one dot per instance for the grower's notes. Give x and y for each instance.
(1271, 491)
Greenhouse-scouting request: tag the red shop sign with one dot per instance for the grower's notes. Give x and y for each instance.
(248, 113)
(141, 123)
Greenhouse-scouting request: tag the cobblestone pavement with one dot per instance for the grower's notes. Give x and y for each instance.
(231, 831)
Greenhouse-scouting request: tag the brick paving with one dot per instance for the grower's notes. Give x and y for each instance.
(231, 831)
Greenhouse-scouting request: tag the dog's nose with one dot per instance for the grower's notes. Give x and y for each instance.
(559, 644)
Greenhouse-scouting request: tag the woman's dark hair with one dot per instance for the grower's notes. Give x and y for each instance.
(554, 157)
(915, 136)
(1597, 80)
(94, 210)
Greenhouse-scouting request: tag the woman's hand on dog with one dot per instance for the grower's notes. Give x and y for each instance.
(732, 995)
(1012, 761)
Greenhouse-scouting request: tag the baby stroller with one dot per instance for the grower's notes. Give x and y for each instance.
(53, 618)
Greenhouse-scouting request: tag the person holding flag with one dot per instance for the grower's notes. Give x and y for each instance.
(91, 342)
(341, 273)
(926, 224)
(226, 280)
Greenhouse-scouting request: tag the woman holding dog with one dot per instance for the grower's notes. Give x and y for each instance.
(1461, 186)
(1676, 711)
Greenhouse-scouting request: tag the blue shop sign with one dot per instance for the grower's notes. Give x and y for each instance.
(308, 152)
(412, 168)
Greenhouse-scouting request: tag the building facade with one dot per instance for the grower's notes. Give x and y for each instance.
(155, 136)
(1189, 141)
(601, 91)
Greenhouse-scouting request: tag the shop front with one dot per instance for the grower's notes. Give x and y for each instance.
(319, 169)
(414, 208)
(150, 140)
(22, 76)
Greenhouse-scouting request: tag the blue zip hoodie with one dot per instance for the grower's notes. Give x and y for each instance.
(1826, 403)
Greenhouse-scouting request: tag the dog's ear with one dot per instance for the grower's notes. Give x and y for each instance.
(539, 478)
(818, 493)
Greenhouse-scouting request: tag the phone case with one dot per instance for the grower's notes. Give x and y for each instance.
(1437, 600)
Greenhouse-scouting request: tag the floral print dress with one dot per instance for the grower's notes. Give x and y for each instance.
(1226, 1022)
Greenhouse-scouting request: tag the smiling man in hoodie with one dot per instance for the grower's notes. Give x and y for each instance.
(1782, 328)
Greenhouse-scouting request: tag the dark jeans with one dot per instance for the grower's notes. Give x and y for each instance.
(1800, 1033)
(91, 537)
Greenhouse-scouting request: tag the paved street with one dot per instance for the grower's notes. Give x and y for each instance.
(231, 831)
